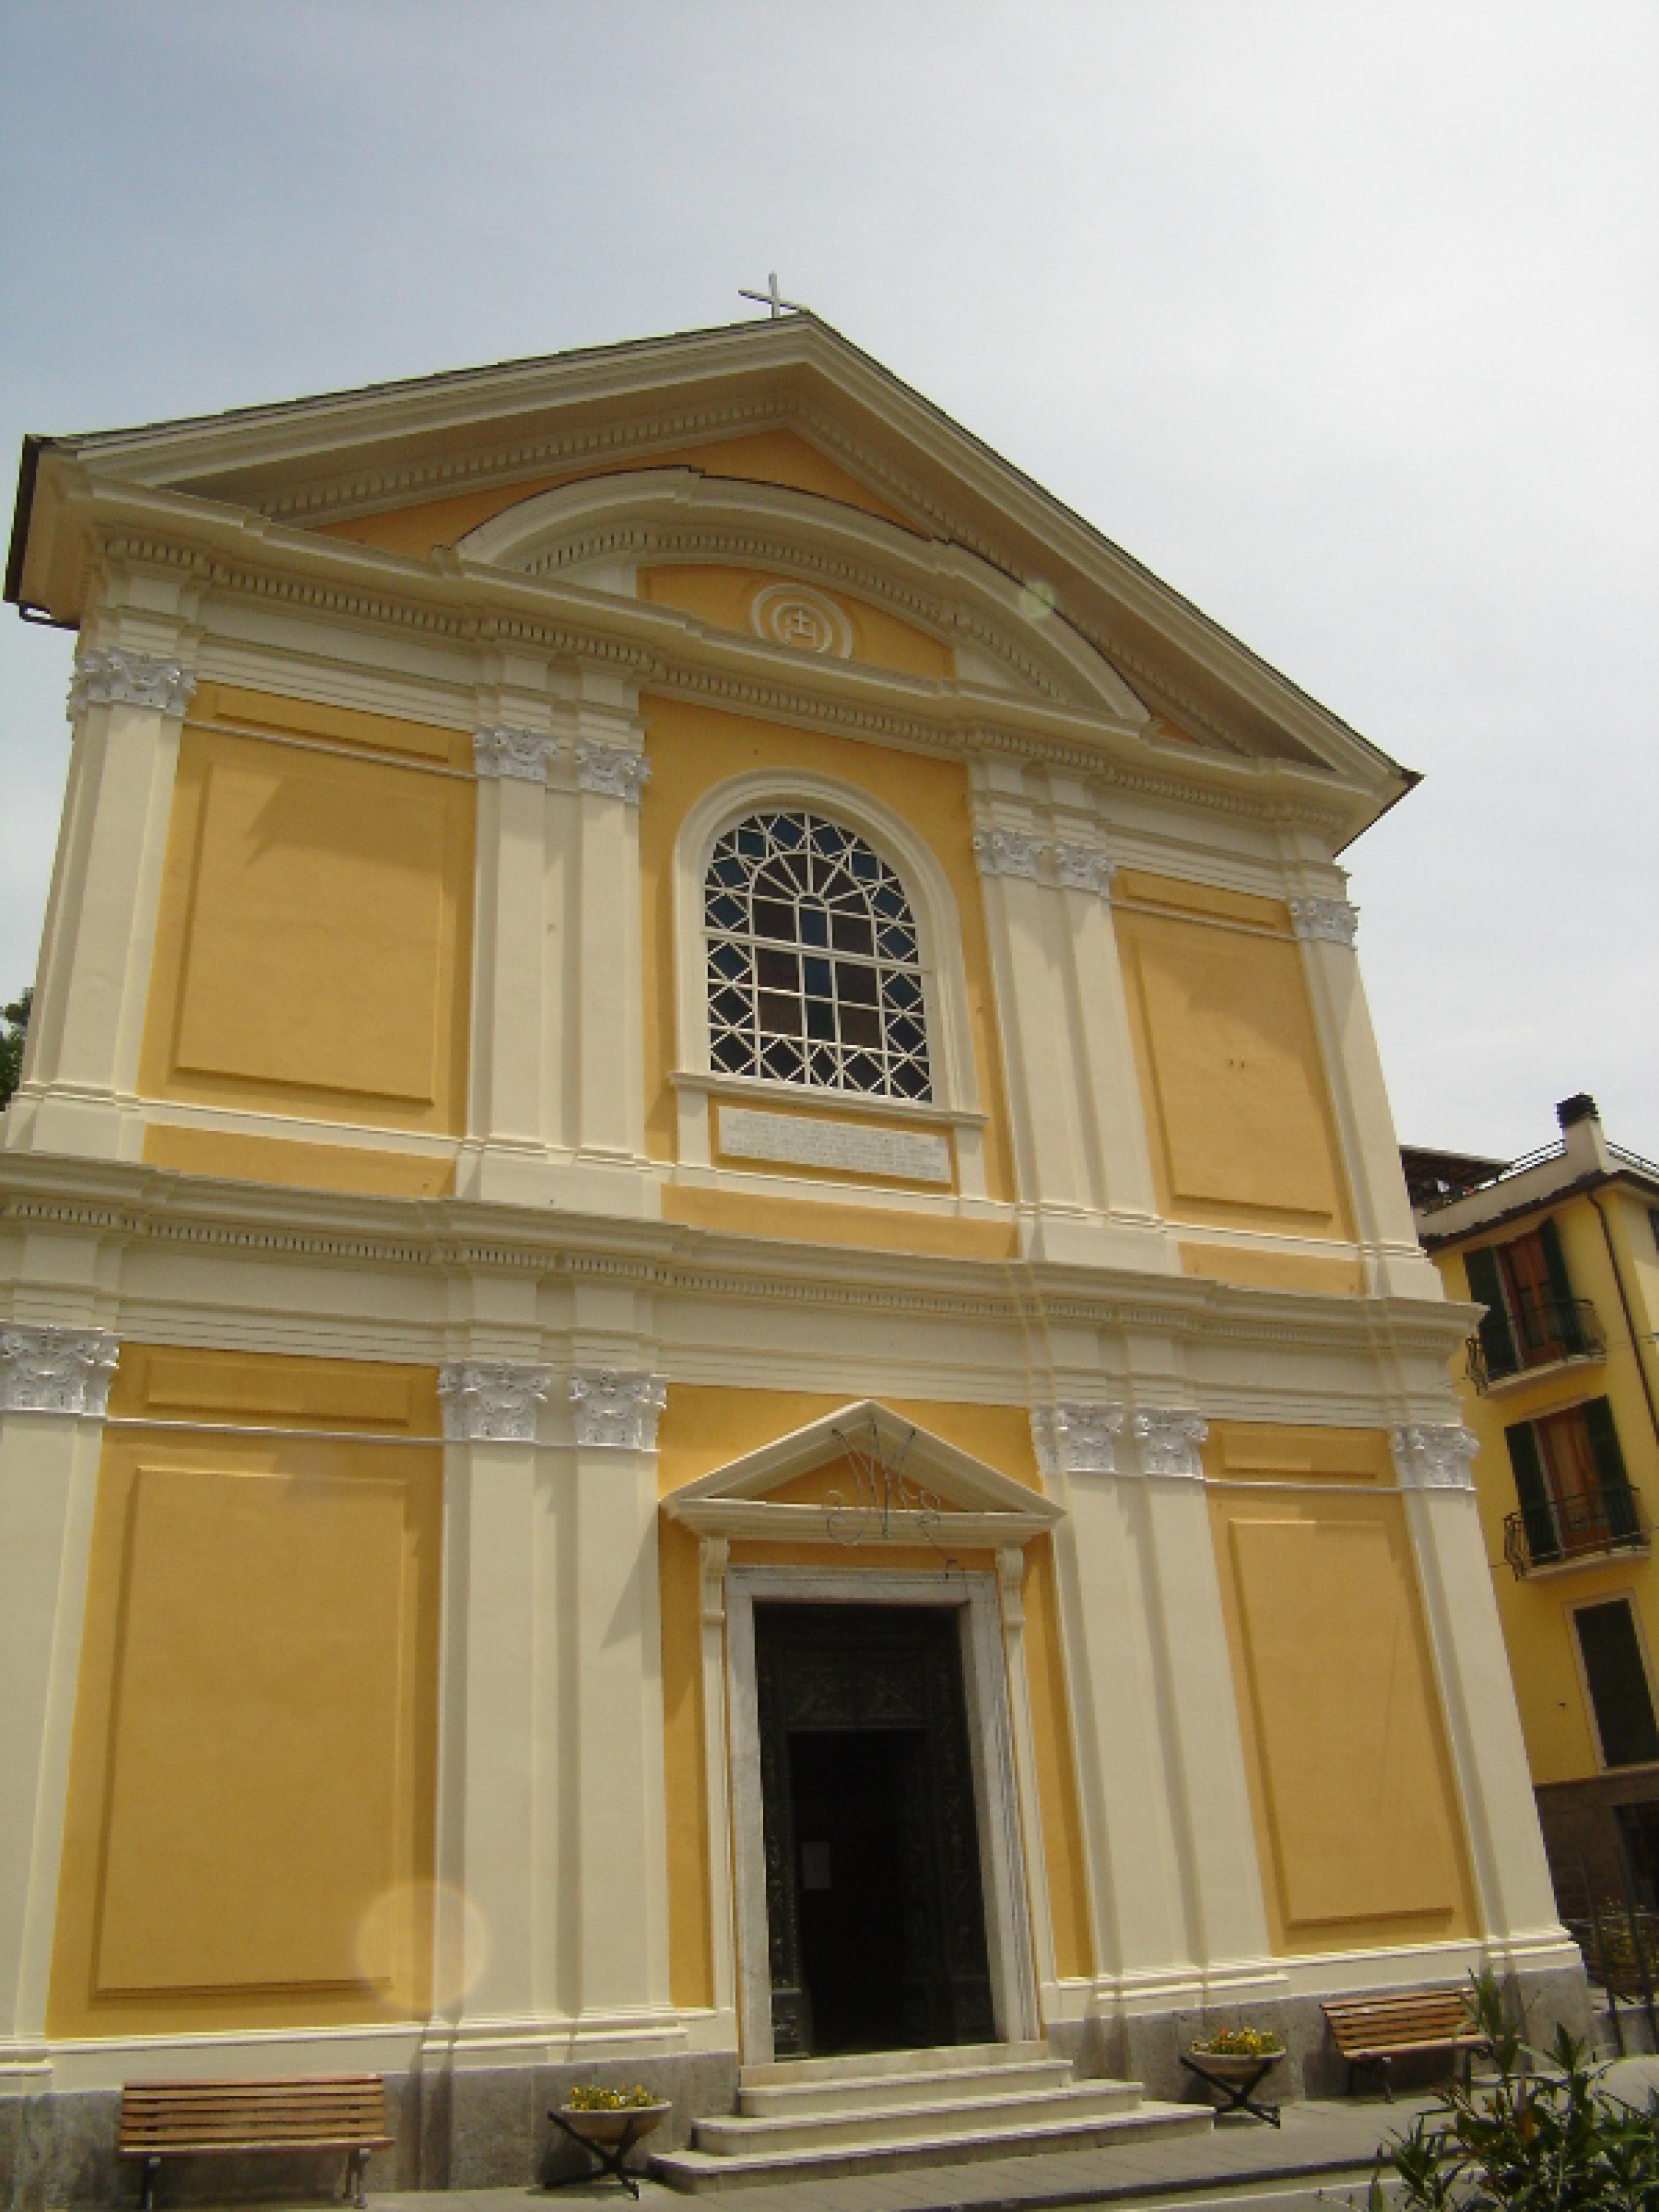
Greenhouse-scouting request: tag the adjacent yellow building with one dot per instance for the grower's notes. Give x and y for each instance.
(710, 1344)
(1559, 1386)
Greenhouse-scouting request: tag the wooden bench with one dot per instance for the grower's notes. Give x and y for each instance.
(223, 2119)
(1374, 2031)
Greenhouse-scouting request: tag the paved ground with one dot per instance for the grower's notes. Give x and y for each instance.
(1319, 2161)
(1322, 2155)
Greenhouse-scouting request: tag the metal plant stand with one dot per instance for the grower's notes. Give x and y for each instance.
(1236, 2086)
(610, 2155)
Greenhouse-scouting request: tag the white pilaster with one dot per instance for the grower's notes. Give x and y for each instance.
(54, 1386)
(81, 1065)
(1326, 928)
(1174, 1879)
(494, 1730)
(609, 1103)
(615, 1819)
(517, 972)
(1477, 1693)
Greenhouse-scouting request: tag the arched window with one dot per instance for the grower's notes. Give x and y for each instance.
(814, 973)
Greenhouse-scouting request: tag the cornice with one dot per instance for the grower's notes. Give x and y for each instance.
(130, 1203)
(559, 414)
(469, 604)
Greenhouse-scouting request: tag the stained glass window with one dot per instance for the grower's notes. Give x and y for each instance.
(814, 971)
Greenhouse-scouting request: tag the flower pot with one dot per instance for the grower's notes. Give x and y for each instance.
(1233, 2065)
(611, 2125)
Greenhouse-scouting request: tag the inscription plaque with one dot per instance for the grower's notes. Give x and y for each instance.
(853, 1146)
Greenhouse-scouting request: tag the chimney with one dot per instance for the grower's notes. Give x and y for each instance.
(1580, 1133)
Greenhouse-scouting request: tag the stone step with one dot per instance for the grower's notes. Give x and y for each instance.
(934, 2058)
(868, 2092)
(892, 2122)
(699, 2171)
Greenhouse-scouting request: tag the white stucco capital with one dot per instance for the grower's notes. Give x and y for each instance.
(1332, 919)
(55, 1370)
(1075, 1439)
(618, 1409)
(500, 749)
(1433, 1455)
(1083, 868)
(491, 1401)
(1168, 1443)
(613, 771)
(112, 676)
(1008, 853)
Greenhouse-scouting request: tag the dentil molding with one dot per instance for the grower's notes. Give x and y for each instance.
(617, 1408)
(1332, 919)
(612, 771)
(110, 676)
(1074, 1438)
(1168, 1443)
(500, 749)
(491, 1401)
(55, 1370)
(1433, 1455)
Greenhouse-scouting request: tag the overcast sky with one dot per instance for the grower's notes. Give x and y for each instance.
(1342, 318)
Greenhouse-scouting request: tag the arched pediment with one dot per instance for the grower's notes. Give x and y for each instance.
(602, 532)
(757, 1496)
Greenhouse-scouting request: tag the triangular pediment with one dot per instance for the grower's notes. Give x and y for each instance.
(768, 1494)
(263, 481)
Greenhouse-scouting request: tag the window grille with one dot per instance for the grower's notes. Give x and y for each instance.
(814, 970)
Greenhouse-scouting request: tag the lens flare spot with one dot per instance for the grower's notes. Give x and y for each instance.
(410, 1920)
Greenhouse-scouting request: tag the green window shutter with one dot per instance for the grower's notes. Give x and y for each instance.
(1533, 1492)
(1571, 1337)
(1617, 1683)
(1604, 1444)
(1496, 1341)
(1617, 1500)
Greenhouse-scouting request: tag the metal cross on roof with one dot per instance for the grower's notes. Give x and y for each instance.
(773, 298)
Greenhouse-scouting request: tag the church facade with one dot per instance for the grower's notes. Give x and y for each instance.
(710, 1344)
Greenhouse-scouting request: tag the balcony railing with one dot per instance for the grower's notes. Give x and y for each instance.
(1546, 1333)
(1564, 1531)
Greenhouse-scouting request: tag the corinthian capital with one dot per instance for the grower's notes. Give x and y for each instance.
(1072, 1438)
(1008, 853)
(55, 1370)
(491, 1401)
(503, 751)
(1332, 919)
(110, 676)
(1168, 1443)
(617, 1408)
(1433, 1455)
(613, 771)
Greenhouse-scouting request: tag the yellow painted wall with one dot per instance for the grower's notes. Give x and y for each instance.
(313, 942)
(778, 457)
(292, 1166)
(1238, 1109)
(722, 596)
(692, 750)
(1535, 1611)
(702, 1429)
(248, 1840)
(1273, 1271)
(1351, 1786)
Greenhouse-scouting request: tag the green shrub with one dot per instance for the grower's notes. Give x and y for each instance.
(1545, 2133)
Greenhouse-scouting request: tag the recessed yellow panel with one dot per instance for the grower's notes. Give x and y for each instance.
(1344, 1722)
(314, 931)
(1235, 1091)
(258, 1667)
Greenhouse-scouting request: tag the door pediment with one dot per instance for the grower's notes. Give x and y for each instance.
(939, 1487)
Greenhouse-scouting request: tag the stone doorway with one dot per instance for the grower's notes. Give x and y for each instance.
(876, 1907)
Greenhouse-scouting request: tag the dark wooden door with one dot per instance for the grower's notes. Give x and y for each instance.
(875, 1905)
